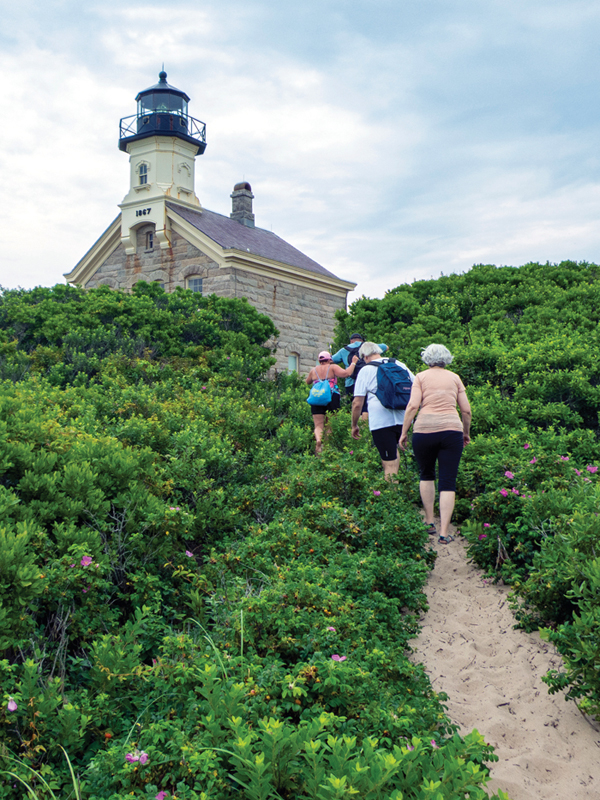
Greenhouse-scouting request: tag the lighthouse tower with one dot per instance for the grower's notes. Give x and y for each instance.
(162, 141)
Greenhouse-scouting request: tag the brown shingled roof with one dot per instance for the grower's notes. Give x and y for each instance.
(231, 234)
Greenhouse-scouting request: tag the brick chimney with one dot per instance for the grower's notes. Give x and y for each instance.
(241, 206)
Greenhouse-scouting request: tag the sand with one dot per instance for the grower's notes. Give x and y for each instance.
(492, 675)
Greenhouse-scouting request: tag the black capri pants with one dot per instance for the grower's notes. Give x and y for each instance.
(446, 448)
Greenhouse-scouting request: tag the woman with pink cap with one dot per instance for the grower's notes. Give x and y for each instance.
(327, 370)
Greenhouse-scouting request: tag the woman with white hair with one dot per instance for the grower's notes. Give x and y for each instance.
(439, 434)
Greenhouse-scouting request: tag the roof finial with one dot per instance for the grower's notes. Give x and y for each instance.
(162, 74)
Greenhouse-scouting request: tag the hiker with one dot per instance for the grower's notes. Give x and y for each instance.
(344, 356)
(438, 435)
(385, 423)
(327, 370)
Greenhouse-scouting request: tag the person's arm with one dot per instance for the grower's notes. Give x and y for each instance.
(338, 358)
(357, 407)
(345, 373)
(413, 406)
(309, 379)
(466, 415)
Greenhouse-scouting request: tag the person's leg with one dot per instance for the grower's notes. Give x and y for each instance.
(451, 447)
(425, 450)
(390, 469)
(427, 491)
(386, 442)
(446, 509)
(333, 406)
(319, 422)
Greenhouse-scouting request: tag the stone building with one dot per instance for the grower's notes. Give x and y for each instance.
(164, 234)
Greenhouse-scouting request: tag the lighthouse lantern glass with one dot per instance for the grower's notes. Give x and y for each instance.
(162, 103)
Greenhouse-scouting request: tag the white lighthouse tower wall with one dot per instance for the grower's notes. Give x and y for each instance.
(161, 169)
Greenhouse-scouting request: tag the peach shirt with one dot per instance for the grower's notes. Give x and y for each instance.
(436, 392)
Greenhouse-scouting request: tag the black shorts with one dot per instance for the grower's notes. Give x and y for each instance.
(386, 441)
(446, 448)
(332, 406)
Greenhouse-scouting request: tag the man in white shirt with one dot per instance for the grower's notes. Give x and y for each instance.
(385, 424)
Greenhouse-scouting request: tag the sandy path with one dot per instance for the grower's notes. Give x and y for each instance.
(492, 676)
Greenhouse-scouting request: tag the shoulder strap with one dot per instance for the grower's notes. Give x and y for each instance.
(383, 361)
(326, 374)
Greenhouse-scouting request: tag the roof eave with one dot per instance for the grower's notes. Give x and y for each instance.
(291, 274)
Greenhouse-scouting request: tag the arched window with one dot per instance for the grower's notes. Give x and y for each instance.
(143, 173)
(195, 284)
(293, 362)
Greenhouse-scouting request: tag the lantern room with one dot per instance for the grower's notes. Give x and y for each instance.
(162, 110)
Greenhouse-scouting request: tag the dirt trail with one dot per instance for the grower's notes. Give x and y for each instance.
(492, 676)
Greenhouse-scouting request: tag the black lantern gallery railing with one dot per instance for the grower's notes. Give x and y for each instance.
(139, 126)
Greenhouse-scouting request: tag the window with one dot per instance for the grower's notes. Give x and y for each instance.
(293, 362)
(161, 284)
(195, 284)
(149, 240)
(143, 172)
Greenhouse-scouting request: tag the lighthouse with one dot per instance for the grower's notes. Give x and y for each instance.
(162, 141)
(163, 235)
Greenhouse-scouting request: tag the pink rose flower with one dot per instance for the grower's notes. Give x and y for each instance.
(131, 758)
(143, 757)
(164, 795)
(338, 658)
(435, 745)
(504, 492)
(331, 629)
(526, 446)
(592, 469)
(564, 458)
(188, 554)
(533, 460)
(86, 561)
(514, 491)
(482, 536)
(376, 493)
(509, 475)
(577, 471)
(12, 706)
(486, 524)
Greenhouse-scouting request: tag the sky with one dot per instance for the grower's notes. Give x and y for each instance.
(389, 140)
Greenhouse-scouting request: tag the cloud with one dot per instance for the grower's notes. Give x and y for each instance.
(388, 141)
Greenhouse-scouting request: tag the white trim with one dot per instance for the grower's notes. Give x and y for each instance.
(104, 246)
